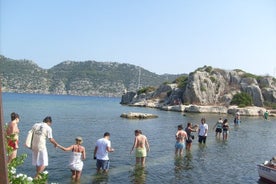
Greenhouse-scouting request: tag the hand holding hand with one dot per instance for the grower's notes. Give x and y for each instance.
(56, 145)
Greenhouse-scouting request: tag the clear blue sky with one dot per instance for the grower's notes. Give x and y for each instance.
(161, 36)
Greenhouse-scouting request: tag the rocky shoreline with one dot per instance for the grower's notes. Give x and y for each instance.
(246, 111)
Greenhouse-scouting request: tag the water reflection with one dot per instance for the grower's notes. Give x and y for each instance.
(236, 127)
(100, 178)
(138, 175)
(182, 164)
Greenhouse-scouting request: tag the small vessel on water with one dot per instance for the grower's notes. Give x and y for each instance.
(267, 171)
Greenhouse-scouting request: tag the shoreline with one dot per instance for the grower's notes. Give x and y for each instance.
(245, 111)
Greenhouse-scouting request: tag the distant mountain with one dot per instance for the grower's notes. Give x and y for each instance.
(89, 78)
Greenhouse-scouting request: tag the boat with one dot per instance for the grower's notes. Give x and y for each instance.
(267, 171)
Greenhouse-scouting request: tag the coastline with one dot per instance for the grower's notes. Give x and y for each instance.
(217, 109)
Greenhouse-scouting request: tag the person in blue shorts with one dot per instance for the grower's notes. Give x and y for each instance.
(181, 137)
(237, 119)
(102, 148)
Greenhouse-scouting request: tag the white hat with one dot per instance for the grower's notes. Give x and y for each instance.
(79, 139)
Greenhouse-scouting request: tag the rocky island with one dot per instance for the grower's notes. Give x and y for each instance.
(136, 115)
(210, 90)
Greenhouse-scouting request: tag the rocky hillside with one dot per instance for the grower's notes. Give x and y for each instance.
(209, 86)
(88, 78)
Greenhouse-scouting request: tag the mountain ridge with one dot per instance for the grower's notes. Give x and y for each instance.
(84, 78)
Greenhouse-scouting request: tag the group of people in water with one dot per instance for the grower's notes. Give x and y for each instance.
(185, 137)
(40, 132)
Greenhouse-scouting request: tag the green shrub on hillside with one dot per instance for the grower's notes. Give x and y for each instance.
(213, 79)
(250, 75)
(181, 81)
(208, 69)
(146, 90)
(169, 93)
(202, 88)
(242, 99)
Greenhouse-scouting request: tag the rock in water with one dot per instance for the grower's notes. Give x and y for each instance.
(136, 115)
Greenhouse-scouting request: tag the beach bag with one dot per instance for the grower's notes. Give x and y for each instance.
(29, 139)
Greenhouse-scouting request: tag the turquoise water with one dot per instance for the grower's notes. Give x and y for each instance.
(231, 161)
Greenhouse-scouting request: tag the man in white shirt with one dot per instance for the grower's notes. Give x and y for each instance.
(202, 132)
(41, 132)
(102, 148)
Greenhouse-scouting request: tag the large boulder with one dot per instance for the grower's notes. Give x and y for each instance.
(162, 91)
(269, 95)
(127, 98)
(251, 87)
(268, 85)
(206, 109)
(206, 87)
(247, 111)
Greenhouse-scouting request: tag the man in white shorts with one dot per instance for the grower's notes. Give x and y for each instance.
(41, 131)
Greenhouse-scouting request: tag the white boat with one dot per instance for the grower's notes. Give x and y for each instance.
(267, 172)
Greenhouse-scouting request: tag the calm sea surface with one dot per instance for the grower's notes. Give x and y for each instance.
(231, 161)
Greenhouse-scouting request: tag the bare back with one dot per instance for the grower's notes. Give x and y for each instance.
(140, 141)
(13, 130)
(181, 135)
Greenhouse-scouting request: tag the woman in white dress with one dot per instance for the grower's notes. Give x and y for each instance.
(77, 157)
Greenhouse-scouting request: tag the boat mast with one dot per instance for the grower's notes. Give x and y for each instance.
(139, 79)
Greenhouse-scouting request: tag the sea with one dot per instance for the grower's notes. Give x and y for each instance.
(219, 161)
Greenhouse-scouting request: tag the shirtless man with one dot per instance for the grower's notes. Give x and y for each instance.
(181, 137)
(142, 147)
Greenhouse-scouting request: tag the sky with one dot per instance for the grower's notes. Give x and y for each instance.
(161, 36)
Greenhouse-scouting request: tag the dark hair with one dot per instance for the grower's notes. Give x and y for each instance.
(48, 119)
(203, 120)
(189, 124)
(106, 134)
(14, 116)
(225, 121)
(138, 131)
(180, 127)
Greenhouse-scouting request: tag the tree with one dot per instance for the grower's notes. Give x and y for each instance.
(242, 99)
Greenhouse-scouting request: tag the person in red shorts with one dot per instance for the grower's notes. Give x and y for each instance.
(13, 135)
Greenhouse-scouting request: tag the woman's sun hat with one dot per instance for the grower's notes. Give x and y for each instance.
(79, 139)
